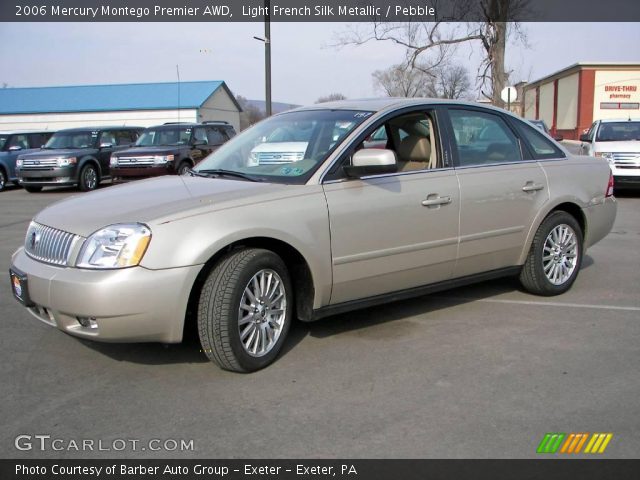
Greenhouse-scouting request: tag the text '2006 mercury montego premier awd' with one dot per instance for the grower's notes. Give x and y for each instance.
(458, 193)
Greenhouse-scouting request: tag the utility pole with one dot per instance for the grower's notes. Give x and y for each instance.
(267, 55)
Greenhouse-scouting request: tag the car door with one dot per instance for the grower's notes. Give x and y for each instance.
(395, 231)
(501, 190)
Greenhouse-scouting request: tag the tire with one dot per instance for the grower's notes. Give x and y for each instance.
(33, 189)
(3, 180)
(236, 346)
(552, 272)
(183, 168)
(88, 179)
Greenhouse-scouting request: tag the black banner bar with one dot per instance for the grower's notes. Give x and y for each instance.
(318, 10)
(257, 469)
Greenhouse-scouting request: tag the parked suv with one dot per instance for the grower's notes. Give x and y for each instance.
(13, 144)
(618, 141)
(75, 156)
(172, 148)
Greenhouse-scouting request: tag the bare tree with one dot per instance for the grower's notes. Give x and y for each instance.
(250, 113)
(430, 44)
(444, 81)
(331, 97)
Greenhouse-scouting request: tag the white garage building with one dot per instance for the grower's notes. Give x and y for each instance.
(139, 104)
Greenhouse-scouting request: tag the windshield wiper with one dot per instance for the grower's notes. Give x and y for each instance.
(224, 173)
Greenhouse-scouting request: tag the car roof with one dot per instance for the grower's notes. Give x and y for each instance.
(102, 129)
(619, 120)
(393, 103)
(18, 132)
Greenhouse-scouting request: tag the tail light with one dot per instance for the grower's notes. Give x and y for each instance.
(609, 192)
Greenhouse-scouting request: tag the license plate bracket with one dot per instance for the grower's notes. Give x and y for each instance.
(20, 287)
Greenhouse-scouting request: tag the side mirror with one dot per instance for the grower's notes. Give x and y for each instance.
(371, 161)
(558, 138)
(585, 138)
(15, 148)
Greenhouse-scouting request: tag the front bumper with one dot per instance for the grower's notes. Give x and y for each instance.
(126, 305)
(131, 173)
(49, 176)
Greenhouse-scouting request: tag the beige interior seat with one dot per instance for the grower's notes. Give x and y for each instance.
(414, 153)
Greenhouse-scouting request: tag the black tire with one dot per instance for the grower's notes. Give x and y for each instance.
(220, 305)
(533, 277)
(89, 178)
(3, 180)
(183, 168)
(33, 189)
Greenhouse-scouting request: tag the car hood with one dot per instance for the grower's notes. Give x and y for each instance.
(626, 146)
(55, 153)
(143, 151)
(156, 200)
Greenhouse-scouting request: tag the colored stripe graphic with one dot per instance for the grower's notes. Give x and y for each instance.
(551, 442)
(573, 443)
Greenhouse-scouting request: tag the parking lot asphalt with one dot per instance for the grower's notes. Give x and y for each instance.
(477, 372)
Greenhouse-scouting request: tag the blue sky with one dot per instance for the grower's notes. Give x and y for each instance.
(304, 66)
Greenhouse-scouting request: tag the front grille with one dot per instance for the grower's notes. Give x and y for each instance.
(279, 158)
(49, 245)
(626, 160)
(135, 161)
(40, 163)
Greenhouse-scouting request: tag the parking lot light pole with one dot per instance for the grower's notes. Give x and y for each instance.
(267, 55)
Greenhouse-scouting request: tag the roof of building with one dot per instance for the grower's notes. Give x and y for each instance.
(584, 65)
(101, 98)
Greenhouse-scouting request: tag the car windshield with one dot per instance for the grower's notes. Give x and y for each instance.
(83, 139)
(165, 136)
(3, 140)
(618, 131)
(285, 148)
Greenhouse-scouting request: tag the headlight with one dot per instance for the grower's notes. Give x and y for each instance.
(113, 161)
(162, 159)
(19, 162)
(116, 246)
(63, 162)
(606, 155)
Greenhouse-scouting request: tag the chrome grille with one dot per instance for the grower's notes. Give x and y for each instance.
(48, 244)
(278, 158)
(626, 159)
(40, 163)
(135, 161)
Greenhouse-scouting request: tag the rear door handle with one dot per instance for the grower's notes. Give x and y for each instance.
(430, 202)
(532, 187)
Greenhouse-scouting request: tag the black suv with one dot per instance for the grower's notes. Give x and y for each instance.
(75, 156)
(172, 148)
(13, 144)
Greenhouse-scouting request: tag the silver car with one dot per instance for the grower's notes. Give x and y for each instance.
(242, 249)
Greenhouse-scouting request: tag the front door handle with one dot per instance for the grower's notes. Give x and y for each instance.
(532, 187)
(430, 202)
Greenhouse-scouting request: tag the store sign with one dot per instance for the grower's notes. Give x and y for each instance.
(620, 92)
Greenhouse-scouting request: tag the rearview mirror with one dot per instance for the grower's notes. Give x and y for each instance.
(585, 138)
(371, 161)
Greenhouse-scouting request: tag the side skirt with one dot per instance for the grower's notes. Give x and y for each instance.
(412, 292)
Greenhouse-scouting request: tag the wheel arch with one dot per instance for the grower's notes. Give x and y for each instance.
(567, 205)
(297, 265)
(89, 159)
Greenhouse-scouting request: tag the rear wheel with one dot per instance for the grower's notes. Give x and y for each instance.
(88, 178)
(245, 310)
(3, 179)
(33, 189)
(555, 256)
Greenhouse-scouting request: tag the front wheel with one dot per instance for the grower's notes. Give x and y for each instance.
(3, 179)
(555, 256)
(245, 310)
(184, 168)
(88, 178)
